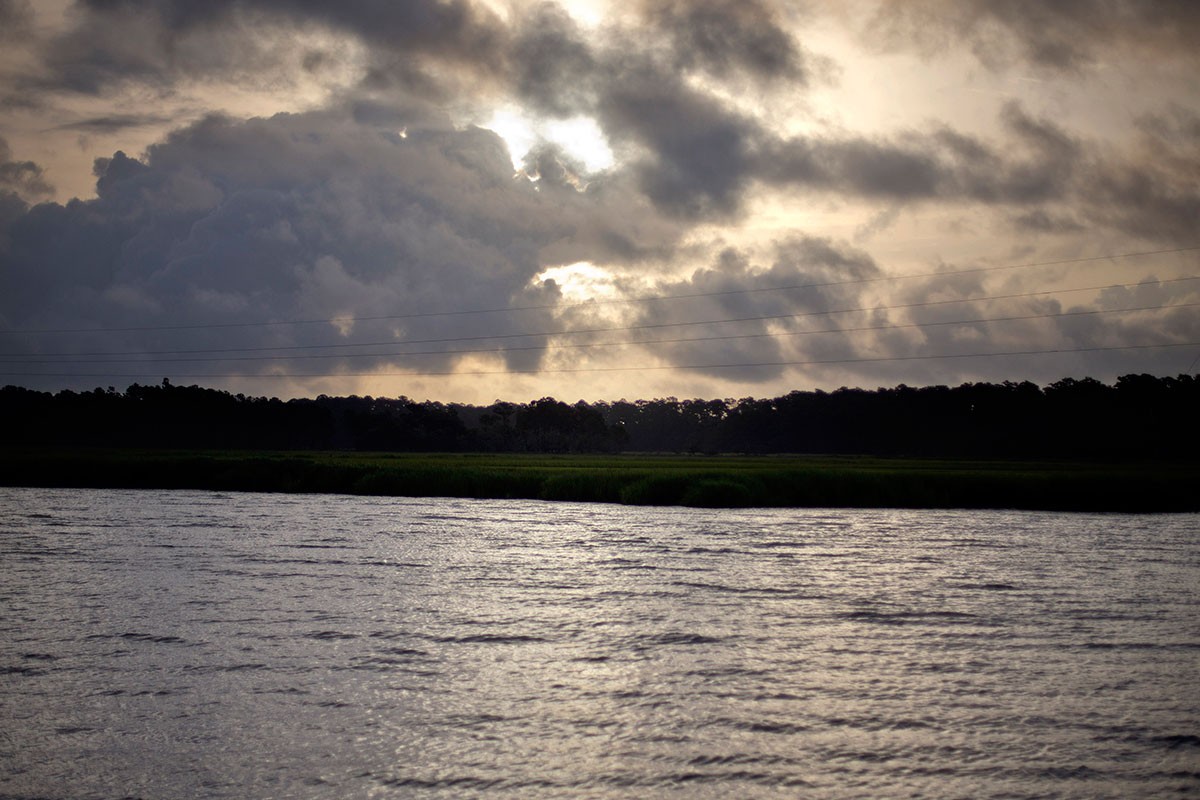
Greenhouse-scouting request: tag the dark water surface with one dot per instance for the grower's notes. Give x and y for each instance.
(190, 644)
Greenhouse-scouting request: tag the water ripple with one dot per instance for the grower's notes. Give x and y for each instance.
(177, 644)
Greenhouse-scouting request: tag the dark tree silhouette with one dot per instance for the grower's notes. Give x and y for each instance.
(1140, 416)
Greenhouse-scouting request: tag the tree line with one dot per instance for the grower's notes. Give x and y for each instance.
(1138, 416)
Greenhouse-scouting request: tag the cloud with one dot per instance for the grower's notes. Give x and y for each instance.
(941, 164)
(23, 179)
(1042, 221)
(658, 89)
(310, 216)
(697, 154)
(1021, 317)
(440, 44)
(691, 151)
(379, 199)
(114, 123)
(724, 38)
(16, 19)
(552, 67)
(1068, 35)
(279, 45)
(1152, 190)
(1051, 180)
(806, 277)
(887, 330)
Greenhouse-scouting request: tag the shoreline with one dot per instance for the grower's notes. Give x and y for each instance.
(731, 481)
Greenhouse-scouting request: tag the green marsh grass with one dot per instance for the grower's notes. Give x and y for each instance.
(701, 481)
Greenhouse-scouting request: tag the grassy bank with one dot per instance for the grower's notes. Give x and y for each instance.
(705, 481)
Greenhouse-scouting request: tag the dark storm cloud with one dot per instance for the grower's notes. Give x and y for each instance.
(698, 158)
(1154, 190)
(725, 38)
(20, 181)
(111, 45)
(16, 19)
(946, 314)
(734, 287)
(382, 204)
(1150, 189)
(1042, 221)
(561, 69)
(685, 148)
(1164, 326)
(688, 150)
(306, 216)
(1036, 164)
(113, 123)
(854, 166)
(454, 28)
(161, 42)
(24, 179)
(1050, 179)
(889, 329)
(1061, 35)
(553, 68)
(692, 152)
(540, 51)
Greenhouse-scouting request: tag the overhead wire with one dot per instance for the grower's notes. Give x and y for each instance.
(621, 343)
(608, 329)
(608, 301)
(637, 368)
(142, 357)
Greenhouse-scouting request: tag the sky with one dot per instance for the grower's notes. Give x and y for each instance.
(471, 200)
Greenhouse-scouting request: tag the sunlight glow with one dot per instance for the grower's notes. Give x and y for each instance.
(516, 130)
(579, 137)
(580, 281)
(582, 139)
(587, 13)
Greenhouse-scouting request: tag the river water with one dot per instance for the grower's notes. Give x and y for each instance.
(191, 644)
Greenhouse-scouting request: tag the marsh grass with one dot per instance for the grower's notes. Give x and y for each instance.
(701, 481)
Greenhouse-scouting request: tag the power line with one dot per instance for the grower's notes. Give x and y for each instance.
(579, 331)
(623, 343)
(642, 368)
(608, 301)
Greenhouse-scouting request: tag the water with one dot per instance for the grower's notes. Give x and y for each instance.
(186, 644)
